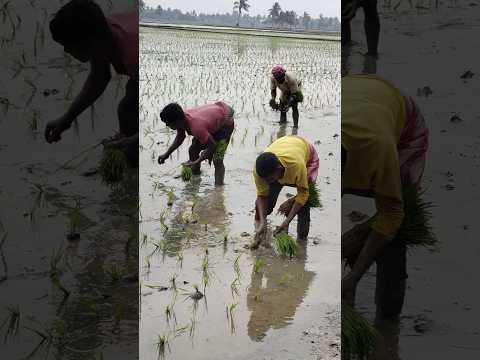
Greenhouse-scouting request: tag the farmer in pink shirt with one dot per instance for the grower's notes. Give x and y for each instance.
(88, 35)
(211, 126)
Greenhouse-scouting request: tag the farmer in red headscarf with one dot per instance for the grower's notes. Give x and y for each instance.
(291, 95)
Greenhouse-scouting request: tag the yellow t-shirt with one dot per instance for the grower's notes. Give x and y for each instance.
(293, 153)
(373, 116)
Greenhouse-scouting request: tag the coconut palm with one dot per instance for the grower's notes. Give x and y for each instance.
(241, 5)
(274, 12)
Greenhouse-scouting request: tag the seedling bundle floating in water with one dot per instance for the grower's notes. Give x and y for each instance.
(285, 245)
(186, 173)
(113, 166)
(359, 338)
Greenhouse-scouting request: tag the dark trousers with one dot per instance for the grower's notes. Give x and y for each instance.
(371, 25)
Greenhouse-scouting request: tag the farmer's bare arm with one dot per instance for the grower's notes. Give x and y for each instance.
(375, 243)
(179, 139)
(273, 93)
(208, 152)
(94, 86)
(261, 205)
(293, 212)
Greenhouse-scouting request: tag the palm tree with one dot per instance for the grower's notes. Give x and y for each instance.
(274, 12)
(240, 5)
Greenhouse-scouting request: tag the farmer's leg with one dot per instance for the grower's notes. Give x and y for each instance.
(283, 108)
(194, 153)
(391, 279)
(303, 223)
(346, 33)
(295, 114)
(218, 161)
(127, 112)
(371, 25)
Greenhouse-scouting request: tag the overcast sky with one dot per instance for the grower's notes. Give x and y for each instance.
(257, 7)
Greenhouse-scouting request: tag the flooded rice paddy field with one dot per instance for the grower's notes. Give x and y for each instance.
(41, 203)
(256, 305)
(440, 319)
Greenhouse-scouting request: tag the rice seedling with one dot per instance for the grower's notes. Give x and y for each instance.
(313, 197)
(358, 336)
(144, 240)
(285, 245)
(74, 217)
(186, 173)
(234, 287)
(257, 265)
(236, 266)
(220, 150)
(170, 197)
(206, 274)
(196, 295)
(115, 273)
(230, 317)
(113, 166)
(11, 322)
(162, 222)
(180, 259)
(55, 270)
(416, 228)
(192, 327)
(170, 314)
(162, 345)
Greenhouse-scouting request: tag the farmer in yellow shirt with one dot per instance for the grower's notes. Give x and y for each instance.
(384, 144)
(289, 161)
(292, 94)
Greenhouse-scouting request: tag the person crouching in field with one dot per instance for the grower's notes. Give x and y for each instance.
(88, 35)
(291, 89)
(289, 161)
(211, 126)
(384, 146)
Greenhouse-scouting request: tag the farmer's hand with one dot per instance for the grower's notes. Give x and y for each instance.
(55, 128)
(190, 163)
(162, 159)
(286, 207)
(282, 228)
(273, 104)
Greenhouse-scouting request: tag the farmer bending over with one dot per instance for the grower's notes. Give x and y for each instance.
(210, 125)
(371, 23)
(288, 161)
(384, 144)
(86, 34)
(291, 89)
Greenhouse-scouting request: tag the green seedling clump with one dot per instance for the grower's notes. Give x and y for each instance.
(186, 173)
(113, 166)
(220, 150)
(416, 229)
(358, 336)
(314, 196)
(285, 245)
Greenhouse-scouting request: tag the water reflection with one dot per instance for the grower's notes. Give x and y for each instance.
(276, 291)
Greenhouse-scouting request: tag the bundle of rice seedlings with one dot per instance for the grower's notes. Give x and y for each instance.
(358, 336)
(314, 196)
(285, 244)
(186, 173)
(416, 229)
(113, 166)
(220, 150)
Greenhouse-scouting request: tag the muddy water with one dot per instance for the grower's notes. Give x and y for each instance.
(289, 309)
(99, 317)
(439, 319)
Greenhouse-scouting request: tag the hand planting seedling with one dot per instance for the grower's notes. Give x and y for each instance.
(358, 336)
(285, 245)
(113, 166)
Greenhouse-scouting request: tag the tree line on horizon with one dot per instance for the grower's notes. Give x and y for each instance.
(275, 17)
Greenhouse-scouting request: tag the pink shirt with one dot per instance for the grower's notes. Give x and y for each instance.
(124, 27)
(206, 120)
